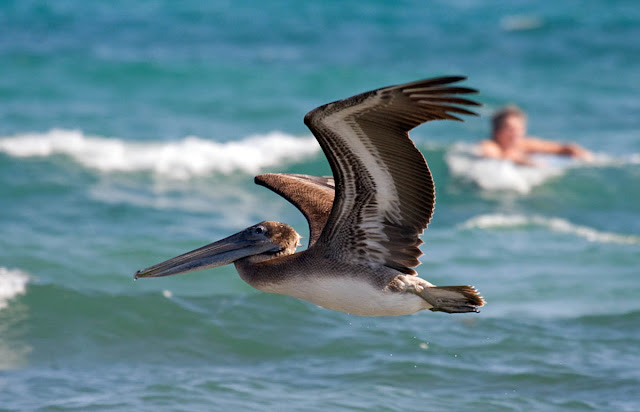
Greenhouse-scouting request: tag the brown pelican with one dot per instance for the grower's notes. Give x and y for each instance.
(364, 222)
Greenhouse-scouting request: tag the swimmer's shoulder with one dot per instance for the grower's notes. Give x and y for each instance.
(489, 148)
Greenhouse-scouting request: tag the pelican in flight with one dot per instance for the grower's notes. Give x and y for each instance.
(364, 222)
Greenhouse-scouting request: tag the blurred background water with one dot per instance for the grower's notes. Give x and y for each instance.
(130, 133)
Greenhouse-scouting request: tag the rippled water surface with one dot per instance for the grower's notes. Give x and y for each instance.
(130, 133)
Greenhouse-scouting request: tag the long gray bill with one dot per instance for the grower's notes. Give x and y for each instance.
(218, 253)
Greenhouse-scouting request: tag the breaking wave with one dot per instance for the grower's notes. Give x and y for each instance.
(495, 174)
(503, 175)
(189, 157)
(556, 224)
(13, 282)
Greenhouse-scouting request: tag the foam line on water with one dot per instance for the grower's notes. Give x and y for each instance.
(182, 159)
(489, 221)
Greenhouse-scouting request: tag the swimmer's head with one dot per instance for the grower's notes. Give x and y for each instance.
(509, 126)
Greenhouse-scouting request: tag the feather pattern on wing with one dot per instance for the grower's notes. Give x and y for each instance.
(384, 190)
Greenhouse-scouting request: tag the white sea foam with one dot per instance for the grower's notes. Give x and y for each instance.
(495, 175)
(191, 156)
(465, 163)
(555, 224)
(13, 282)
(607, 160)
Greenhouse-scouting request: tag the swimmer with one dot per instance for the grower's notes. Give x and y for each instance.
(509, 140)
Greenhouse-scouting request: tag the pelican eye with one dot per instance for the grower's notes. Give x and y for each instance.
(259, 230)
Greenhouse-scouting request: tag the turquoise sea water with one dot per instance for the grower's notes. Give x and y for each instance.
(130, 132)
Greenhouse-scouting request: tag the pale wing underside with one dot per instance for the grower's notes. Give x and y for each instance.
(384, 189)
(312, 195)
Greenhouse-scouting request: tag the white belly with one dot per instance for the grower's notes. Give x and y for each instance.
(351, 296)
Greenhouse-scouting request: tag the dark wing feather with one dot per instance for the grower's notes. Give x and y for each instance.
(384, 189)
(312, 195)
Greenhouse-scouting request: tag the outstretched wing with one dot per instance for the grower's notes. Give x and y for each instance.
(384, 190)
(312, 195)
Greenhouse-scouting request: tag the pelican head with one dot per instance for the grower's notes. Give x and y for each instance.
(263, 241)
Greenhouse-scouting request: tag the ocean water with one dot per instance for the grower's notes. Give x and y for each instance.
(130, 133)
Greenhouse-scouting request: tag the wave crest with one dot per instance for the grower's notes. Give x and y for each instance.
(191, 156)
(13, 282)
(556, 224)
(495, 174)
(465, 163)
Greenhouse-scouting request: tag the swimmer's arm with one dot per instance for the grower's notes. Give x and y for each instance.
(537, 145)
